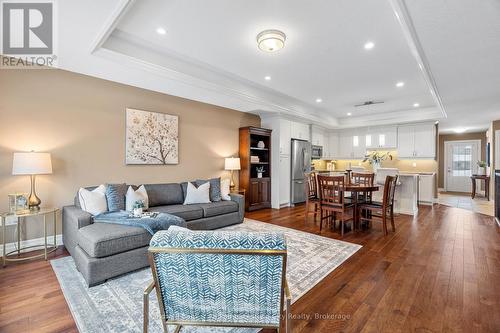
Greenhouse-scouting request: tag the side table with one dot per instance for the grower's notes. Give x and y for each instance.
(48, 248)
(486, 185)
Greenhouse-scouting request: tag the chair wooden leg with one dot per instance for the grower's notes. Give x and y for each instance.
(315, 211)
(307, 211)
(384, 222)
(321, 219)
(342, 225)
(392, 220)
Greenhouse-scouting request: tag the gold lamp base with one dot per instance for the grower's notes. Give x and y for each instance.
(33, 200)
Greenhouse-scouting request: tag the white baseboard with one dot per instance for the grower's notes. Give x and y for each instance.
(31, 242)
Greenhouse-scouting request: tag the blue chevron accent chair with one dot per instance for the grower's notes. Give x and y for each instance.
(219, 278)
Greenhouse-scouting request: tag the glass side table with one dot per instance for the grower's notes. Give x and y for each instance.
(47, 247)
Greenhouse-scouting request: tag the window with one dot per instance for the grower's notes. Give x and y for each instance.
(368, 140)
(381, 139)
(462, 161)
(355, 141)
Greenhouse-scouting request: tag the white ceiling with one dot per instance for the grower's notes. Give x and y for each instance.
(209, 53)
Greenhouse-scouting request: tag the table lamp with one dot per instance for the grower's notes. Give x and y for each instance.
(231, 164)
(32, 164)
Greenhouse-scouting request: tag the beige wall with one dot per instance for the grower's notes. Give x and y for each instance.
(458, 137)
(81, 121)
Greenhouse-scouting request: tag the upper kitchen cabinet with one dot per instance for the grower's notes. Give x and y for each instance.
(317, 136)
(333, 145)
(352, 144)
(417, 141)
(381, 137)
(299, 131)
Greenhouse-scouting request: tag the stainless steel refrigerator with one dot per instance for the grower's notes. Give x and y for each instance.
(301, 163)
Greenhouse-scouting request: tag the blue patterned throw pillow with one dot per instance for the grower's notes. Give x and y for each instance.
(115, 196)
(215, 192)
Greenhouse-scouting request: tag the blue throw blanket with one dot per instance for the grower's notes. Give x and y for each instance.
(161, 222)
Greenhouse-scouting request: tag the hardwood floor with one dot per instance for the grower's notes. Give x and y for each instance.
(440, 272)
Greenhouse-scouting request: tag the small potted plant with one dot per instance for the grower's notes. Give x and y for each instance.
(138, 207)
(260, 171)
(375, 159)
(481, 168)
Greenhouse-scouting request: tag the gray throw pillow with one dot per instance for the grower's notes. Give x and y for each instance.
(215, 193)
(115, 196)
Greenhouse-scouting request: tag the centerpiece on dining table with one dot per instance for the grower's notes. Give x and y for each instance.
(375, 159)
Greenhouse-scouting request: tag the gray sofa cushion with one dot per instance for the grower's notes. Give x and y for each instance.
(105, 239)
(115, 196)
(164, 194)
(218, 208)
(187, 212)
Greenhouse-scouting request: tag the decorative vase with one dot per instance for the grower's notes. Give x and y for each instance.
(137, 212)
(481, 171)
(259, 174)
(261, 144)
(375, 166)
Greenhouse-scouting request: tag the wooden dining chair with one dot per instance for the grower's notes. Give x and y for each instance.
(383, 210)
(365, 179)
(311, 191)
(332, 202)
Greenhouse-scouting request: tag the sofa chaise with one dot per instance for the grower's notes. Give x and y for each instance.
(105, 250)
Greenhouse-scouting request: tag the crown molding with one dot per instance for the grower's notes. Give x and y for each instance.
(405, 21)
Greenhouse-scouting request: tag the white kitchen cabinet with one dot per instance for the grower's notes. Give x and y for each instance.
(381, 137)
(284, 180)
(426, 189)
(285, 136)
(352, 144)
(317, 136)
(417, 141)
(299, 131)
(333, 145)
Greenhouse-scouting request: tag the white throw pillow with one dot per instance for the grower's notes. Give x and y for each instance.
(225, 189)
(197, 195)
(93, 202)
(138, 195)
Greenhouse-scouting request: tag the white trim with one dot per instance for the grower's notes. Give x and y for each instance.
(446, 147)
(404, 18)
(496, 162)
(32, 242)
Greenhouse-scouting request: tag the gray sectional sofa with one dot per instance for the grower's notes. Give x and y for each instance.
(105, 250)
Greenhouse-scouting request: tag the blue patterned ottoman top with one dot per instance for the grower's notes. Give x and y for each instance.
(220, 287)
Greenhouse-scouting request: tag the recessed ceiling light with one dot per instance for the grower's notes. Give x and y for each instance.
(349, 114)
(459, 130)
(416, 105)
(369, 45)
(271, 40)
(161, 31)
(400, 84)
(319, 100)
(267, 78)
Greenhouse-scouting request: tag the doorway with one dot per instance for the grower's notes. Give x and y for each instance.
(460, 163)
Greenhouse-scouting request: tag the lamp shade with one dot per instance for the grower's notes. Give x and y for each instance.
(232, 163)
(31, 164)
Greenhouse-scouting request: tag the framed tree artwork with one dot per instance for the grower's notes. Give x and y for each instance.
(151, 138)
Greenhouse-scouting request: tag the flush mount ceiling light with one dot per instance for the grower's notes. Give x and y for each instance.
(271, 40)
(369, 45)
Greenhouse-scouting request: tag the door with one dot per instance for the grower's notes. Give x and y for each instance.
(264, 191)
(253, 193)
(460, 164)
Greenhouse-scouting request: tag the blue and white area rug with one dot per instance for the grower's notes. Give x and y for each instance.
(116, 306)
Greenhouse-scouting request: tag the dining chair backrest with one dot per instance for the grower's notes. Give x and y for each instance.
(363, 178)
(311, 185)
(331, 190)
(389, 190)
